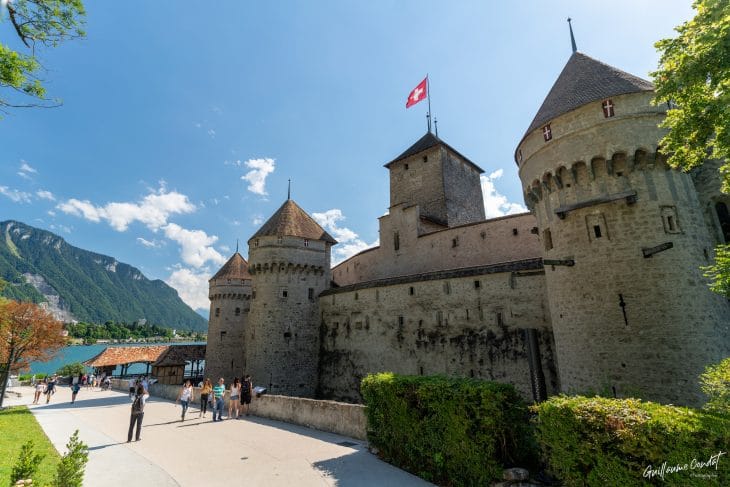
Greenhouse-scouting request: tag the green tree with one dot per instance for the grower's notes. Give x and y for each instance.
(694, 78)
(27, 464)
(70, 472)
(38, 24)
(715, 382)
(74, 369)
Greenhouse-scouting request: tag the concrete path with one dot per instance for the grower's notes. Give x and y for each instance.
(253, 451)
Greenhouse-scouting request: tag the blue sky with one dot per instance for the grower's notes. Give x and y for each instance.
(182, 122)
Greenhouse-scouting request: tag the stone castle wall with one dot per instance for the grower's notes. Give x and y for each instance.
(230, 301)
(624, 323)
(467, 322)
(487, 242)
(282, 342)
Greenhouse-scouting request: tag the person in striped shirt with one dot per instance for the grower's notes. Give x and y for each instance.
(218, 391)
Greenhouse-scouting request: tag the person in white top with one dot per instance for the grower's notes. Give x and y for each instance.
(234, 401)
(39, 387)
(185, 397)
(132, 387)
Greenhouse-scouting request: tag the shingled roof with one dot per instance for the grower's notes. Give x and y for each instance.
(585, 80)
(126, 355)
(180, 355)
(235, 268)
(426, 142)
(290, 220)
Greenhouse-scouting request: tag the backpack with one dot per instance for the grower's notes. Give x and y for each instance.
(138, 405)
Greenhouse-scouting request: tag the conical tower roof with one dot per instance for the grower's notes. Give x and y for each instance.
(235, 268)
(585, 80)
(426, 142)
(290, 220)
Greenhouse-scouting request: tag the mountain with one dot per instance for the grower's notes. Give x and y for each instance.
(76, 284)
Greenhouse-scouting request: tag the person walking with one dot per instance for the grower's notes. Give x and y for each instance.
(75, 387)
(132, 383)
(218, 391)
(50, 389)
(140, 399)
(246, 394)
(185, 397)
(234, 400)
(39, 387)
(205, 392)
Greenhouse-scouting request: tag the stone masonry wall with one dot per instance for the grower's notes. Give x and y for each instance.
(463, 323)
(624, 323)
(488, 242)
(229, 309)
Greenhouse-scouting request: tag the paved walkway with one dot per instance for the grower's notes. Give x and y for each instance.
(254, 451)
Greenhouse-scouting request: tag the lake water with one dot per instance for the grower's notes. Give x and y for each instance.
(79, 353)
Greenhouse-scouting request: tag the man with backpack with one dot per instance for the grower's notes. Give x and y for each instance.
(140, 399)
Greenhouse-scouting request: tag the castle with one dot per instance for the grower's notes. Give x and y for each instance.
(597, 289)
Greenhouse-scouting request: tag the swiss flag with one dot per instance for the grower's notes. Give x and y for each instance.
(419, 93)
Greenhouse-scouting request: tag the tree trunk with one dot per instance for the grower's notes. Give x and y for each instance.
(4, 374)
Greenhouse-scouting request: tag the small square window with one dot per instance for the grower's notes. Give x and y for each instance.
(217, 312)
(223, 335)
(607, 106)
(405, 166)
(425, 158)
(597, 231)
(306, 242)
(279, 240)
(238, 311)
(411, 291)
(477, 284)
(455, 242)
(283, 292)
(310, 293)
(515, 231)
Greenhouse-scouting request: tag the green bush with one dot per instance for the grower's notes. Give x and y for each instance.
(599, 441)
(715, 382)
(27, 464)
(70, 370)
(70, 472)
(447, 430)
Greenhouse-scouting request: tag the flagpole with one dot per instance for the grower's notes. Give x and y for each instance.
(428, 95)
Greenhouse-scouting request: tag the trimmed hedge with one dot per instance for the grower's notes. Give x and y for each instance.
(447, 430)
(599, 441)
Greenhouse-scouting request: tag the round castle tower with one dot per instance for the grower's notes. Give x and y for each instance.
(230, 300)
(290, 265)
(623, 238)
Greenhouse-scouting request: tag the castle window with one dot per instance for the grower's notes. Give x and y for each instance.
(477, 284)
(238, 311)
(425, 158)
(440, 317)
(607, 106)
(411, 291)
(283, 293)
(547, 239)
(455, 242)
(405, 166)
(515, 232)
(597, 231)
(306, 242)
(217, 312)
(467, 314)
(223, 335)
(596, 226)
(447, 288)
(420, 370)
(253, 294)
(500, 318)
(357, 296)
(310, 294)
(256, 243)
(279, 240)
(669, 219)
(547, 133)
(396, 240)
(400, 320)
(377, 295)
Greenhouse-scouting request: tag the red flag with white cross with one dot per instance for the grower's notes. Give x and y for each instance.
(419, 93)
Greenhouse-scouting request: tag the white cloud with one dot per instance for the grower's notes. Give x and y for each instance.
(211, 132)
(153, 210)
(191, 286)
(496, 204)
(256, 177)
(45, 195)
(257, 220)
(15, 195)
(349, 243)
(51, 212)
(154, 244)
(195, 245)
(225, 248)
(60, 228)
(25, 167)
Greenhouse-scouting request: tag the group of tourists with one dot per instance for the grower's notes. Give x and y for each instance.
(211, 396)
(46, 386)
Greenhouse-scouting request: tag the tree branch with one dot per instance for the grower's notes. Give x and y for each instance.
(16, 26)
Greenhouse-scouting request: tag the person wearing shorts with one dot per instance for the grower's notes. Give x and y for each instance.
(234, 401)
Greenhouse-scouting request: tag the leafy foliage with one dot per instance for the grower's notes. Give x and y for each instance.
(94, 287)
(447, 430)
(116, 331)
(719, 272)
(694, 74)
(27, 464)
(37, 23)
(600, 441)
(715, 382)
(70, 472)
(71, 370)
(27, 333)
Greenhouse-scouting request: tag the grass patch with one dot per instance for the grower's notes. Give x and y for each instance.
(17, 426)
